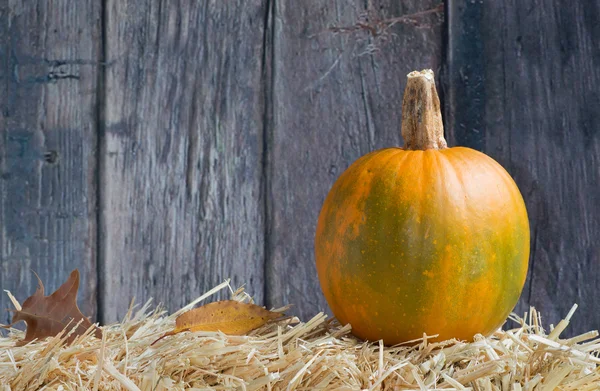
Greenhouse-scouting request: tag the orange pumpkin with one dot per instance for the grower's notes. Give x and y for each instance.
(425, 238)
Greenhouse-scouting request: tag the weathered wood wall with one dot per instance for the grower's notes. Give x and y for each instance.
(162, 146)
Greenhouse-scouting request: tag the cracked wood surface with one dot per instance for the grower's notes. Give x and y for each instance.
(49, 64)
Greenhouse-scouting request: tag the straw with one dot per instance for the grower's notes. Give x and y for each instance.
(318, 354)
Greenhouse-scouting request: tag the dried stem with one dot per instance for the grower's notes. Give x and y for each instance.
(422, 126)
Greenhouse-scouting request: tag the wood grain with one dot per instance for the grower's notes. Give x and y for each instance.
(48, 73)
(181, 170)
(335, 96)
(523, 87)
(224, 124)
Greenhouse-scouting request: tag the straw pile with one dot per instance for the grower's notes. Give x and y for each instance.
(290, 355)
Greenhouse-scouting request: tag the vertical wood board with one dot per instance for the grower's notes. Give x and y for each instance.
(49, 67)
(181, 170)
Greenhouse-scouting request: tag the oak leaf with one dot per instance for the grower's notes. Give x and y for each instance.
(46, 316)
(228, 316)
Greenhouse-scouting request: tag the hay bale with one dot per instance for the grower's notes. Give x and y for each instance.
(293, 355)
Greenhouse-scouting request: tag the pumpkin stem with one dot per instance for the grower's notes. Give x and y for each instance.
(422, 126)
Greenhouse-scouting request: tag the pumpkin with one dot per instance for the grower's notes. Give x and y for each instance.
(424, 238)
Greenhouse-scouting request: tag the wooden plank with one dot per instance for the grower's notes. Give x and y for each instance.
(523, 79)
(181, 170)
(48, 73)
(335, 97)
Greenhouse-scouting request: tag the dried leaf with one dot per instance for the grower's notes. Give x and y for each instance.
(46, 316)
(228, 316)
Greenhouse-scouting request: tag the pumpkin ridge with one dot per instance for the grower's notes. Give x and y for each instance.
(444, 263)
(502, 282)
(516, 199)
(350, 194)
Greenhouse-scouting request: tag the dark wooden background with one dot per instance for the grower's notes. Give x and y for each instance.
(163, 146)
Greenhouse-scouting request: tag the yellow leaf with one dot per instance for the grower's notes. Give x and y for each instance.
(228, 316)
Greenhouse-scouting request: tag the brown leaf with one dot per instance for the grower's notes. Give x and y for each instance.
(46, 316)
(228, 316)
